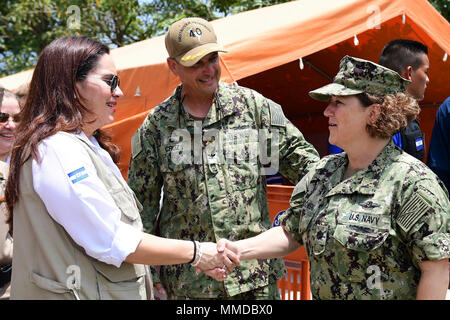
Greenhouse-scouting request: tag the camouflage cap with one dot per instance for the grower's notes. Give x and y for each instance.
(190, 39)
(356, 76)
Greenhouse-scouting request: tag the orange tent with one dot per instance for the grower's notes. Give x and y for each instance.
(264, 51)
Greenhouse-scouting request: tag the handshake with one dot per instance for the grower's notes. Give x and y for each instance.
(216, 260)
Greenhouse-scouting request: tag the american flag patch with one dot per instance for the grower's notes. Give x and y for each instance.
(412, 212)
(276, 115)
(78, 175)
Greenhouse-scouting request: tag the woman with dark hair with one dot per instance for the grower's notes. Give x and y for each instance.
(374, 220)
(76, 224)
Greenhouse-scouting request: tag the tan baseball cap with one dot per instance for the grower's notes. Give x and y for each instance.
(190, 39)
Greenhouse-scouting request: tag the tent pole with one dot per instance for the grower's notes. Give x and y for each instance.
(322, 73)
(226, 67)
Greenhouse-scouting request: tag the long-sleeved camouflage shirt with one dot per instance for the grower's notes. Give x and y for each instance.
(365, 236)
(214, 186)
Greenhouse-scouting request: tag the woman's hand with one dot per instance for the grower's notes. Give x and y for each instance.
(231, 255)
(212, 257)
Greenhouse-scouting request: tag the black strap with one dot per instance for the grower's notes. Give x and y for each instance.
(195, 252)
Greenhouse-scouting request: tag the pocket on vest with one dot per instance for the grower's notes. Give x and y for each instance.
(125, 283)
(53, 286)
(125, 203)
(124, 290)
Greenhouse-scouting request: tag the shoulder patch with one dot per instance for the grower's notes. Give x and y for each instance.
(277, 117)
(136, 146)
(300, 187)
(78, 175)
(413, 210)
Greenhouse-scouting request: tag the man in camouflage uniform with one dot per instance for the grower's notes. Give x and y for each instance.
(367, 235)
(206, 145)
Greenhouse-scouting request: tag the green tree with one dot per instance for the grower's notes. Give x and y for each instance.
(443, 6)
(27, 26)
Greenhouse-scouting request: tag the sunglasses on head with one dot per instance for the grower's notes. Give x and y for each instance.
(4, 117)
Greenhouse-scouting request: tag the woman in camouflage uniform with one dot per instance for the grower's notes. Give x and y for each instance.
(375, 221)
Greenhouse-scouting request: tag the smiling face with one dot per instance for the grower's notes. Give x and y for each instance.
(8, 129)
(96, 95)
(347, 120)
(202, 78)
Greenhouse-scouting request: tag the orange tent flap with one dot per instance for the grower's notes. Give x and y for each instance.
(297, 29)
(122, 132)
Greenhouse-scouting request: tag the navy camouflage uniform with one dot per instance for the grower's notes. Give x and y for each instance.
(365, 236)
(205, 199)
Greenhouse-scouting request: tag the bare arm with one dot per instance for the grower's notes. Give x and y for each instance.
(153, 250)
(434, 280)
(273, 243)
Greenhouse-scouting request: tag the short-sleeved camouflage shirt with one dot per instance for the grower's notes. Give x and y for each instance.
(211, 174)
(366, 235)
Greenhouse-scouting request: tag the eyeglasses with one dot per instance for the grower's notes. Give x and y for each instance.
(113, 83)
(4, 117)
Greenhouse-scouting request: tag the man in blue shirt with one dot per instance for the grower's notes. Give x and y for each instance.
(410, 59)
(439, 154)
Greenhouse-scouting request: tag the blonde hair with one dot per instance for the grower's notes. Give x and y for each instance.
(396, 111)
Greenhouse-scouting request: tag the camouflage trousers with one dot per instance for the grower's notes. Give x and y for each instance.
(269, 292)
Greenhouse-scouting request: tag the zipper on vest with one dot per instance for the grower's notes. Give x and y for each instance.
(75, 293)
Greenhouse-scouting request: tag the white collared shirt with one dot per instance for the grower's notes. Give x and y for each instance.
(75, 197)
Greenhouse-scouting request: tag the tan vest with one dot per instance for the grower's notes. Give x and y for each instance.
(6, 243)
(48, 264)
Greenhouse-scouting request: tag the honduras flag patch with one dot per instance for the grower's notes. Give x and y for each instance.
(78, 175)
(419, 144)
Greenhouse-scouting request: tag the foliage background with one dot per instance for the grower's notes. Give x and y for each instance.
(27, 26)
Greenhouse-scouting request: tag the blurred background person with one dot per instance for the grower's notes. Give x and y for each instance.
(410, 59)
(439, 154)
(22, 93)
(9, 117)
